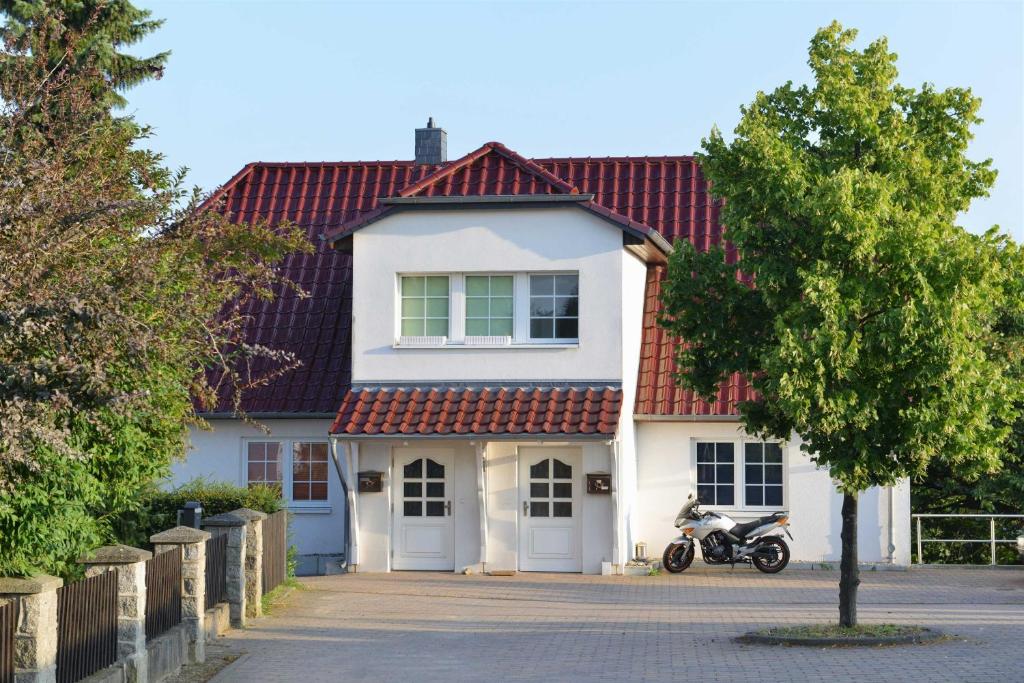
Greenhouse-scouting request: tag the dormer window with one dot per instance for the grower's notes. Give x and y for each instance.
(554, 306)
(489, 305)
(424, 305)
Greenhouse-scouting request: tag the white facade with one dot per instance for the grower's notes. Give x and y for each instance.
(489, 483)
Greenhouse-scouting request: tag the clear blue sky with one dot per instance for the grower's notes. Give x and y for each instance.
(313, 81)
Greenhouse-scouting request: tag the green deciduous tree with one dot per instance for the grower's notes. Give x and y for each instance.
(869, 325)
(121, 302)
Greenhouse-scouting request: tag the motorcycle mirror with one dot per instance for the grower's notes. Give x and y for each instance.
(690, 497)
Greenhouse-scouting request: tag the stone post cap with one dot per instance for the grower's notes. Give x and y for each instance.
(224, 519)
(249, 514)
(180, 535)
(115, 554)
(30, 585)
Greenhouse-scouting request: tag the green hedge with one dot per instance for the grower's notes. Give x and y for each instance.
(159, 508)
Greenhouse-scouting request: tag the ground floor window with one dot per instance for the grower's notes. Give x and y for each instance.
(302, 476)
(755, 481)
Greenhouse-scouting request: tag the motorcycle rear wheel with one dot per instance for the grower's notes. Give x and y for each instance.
(772, 565)
(677, 558)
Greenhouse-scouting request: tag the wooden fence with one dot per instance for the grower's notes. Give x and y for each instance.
(216, 570)
(86, 627)
(163, 592)
(8, 624)
(275, 550)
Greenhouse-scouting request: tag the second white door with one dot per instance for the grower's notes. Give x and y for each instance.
(549, 494)
(422, 495)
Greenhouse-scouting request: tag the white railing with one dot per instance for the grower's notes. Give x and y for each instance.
(991, 540)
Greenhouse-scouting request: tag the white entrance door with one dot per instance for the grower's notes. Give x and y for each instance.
(422, 530)
(549, 494)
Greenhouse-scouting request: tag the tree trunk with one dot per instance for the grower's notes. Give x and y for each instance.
(849, 574)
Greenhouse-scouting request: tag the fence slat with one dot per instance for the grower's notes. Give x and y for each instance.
(216, 570)
(163, 592)
(8, 624)
(86, 626)
(275, 550)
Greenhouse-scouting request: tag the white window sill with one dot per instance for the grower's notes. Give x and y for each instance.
(489, 347)
(310, 509)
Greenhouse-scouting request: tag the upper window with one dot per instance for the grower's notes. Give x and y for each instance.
(756, 481)
(424, 305)
(716, 475)
(554, 306)
(489, 305)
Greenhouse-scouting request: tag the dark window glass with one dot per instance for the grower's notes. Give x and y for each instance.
(754, 474)
(300, 491)
(567, 328)
(773, 495)
(543, 307)
(773, 453)
(752, 452)
(435, 470)
(705, 474)
(542, 328)
(725, 473)
(413, 489)
(724, 452)
(567, 306)
(538, 509)
(435, 508)
(540, 470)
(773, 474)
(562, 491)
(706, 494)
(413, 508)
(562, 471)
(542, 284)
(414, 470)
(754, 495)
(538, 489)
(435, 489)
(725, 495)
(567, 284)
(562, 509)
(705, 452)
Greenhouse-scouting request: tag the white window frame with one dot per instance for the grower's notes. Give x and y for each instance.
(579, 297)
(739, 473)
(456, 338)
(287, 463)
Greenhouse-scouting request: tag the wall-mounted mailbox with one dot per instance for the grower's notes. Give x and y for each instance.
(371, 482)
(599, 482)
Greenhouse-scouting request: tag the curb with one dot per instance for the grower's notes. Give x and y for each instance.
(925, 636)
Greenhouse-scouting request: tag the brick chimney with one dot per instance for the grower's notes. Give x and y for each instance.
(431, 144)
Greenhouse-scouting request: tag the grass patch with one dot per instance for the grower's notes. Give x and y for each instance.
(287, 586)
(837, 631)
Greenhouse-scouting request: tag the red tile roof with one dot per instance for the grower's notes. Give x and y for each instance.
(454, 411)
(667, 194)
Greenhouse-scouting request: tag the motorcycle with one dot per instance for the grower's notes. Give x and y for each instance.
(723, 541)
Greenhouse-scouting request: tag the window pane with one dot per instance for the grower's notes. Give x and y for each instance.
(256, 471)
(501, 285)
(542, 329)
(502, 326)
(435, 489)
(754, 473)
(476, 308)
(501, 307)
(725, 474)
(562, 490)
(561, 470)
(412, 286)
(435, 470)
(562, 509)
(773, 452)
(437, 328)
(538, 489)
(477, 328)
(754, 495)
(538, 509)
(542, 307)
(412, 328)
(705, 474)
(567, 306)
(724, 451)
(318, 471)
(542, 284)
(437, 285)
(773, 495)
(435, 508)
(725, 495)
(412, 308)
(318, 491)
(413, 508)
(412, 489)
(414, 470)
(706, 494)
(705, 452)
(752, 452)
(300, 491)
(437, 308)
(773, 474)
(567, 284)
(540, 470)
(476, 285)
(567, 328)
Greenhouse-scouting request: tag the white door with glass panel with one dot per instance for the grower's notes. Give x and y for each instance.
(549, 495)
(422, 531)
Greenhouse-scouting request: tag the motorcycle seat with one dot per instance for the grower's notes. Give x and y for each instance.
(741, 530)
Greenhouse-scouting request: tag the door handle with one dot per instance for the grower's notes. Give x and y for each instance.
(526, 508)
(448, 507)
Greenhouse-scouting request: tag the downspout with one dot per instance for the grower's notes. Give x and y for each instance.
(346, 473)
(353, 476)
(481, 493)
(346, 533)
(617, 523)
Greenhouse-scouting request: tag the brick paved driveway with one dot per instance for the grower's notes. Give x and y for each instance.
(549, 627)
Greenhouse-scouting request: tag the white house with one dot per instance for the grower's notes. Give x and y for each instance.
(485, 385)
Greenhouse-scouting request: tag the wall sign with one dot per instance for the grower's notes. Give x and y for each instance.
(599, 482)
(371, 482)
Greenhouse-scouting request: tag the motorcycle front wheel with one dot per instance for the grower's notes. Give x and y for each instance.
(772, 557)
(677, 558)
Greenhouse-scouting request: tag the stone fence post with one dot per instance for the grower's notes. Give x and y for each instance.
(130, 565)
(35, 639)
(193, 581)
(253, 560)
(234, 526)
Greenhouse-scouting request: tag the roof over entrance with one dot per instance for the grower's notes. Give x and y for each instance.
(448, 411)
(666, 194)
